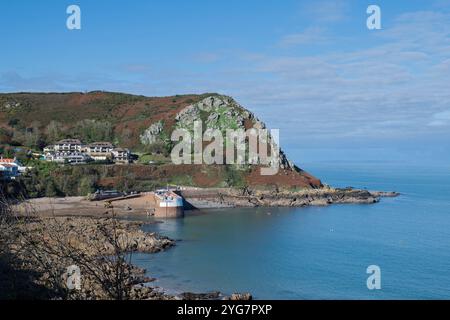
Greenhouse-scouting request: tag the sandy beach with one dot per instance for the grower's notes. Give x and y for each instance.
(79, 206)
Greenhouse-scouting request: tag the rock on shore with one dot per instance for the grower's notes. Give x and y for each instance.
(85, 232)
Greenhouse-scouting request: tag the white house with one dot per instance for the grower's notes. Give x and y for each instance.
(69, 157)
(73, 151)
(9, 168)
(49, 149)
(100, 150)
(67, 145)
(8, 171)
(121, 155)
(13, 166)
(77, 157)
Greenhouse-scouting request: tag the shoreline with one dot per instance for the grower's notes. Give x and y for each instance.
(48, 245)
(91, 241)
(198, 199)
(77, 211)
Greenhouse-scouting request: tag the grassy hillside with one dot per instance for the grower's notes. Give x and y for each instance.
(30, 121)
(35, 119)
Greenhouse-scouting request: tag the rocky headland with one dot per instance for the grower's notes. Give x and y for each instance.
(228, 197)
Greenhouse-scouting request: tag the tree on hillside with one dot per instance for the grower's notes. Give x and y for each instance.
(5, 136)
(32, 137)
(87, 185)
(126, 137)
(54, 131)
(90, 130)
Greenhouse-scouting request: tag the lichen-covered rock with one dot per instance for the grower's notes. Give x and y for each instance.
(223, 113)
(200, 296)
(220, 112)
(240, 297)
(9, 105)
(152, 134)
(214, 102)
(188, 115)
(140, 241)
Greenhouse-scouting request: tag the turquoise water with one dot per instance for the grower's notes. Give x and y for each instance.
(320, 252)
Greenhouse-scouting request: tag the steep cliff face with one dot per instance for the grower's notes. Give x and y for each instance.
(141, 123)
(221, 113)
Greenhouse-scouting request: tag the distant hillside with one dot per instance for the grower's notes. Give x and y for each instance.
(142, 124)
(61, 115)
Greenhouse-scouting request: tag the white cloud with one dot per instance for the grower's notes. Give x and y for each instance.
(387, 89)
(440, 119)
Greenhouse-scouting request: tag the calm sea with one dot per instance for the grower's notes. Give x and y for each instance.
(320, 252)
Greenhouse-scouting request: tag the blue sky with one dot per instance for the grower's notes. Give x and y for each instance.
(310, 68)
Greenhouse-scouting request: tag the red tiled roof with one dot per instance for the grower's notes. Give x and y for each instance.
(7, 160)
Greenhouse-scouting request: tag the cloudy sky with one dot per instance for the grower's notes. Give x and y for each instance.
(310, 68)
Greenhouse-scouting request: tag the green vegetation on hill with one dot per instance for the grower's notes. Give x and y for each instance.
(30, 121)
(38, 119)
